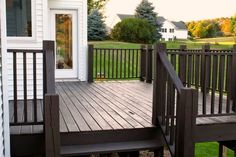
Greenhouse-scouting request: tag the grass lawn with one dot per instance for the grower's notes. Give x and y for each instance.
(202, 149)
(209, 150)
(221, 44)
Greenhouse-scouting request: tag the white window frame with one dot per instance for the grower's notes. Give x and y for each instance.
(33, 24)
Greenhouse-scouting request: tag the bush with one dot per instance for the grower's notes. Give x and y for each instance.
(134, 30)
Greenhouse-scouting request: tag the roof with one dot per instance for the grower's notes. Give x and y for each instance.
(160, 19)
(125, 16)
(179, 25)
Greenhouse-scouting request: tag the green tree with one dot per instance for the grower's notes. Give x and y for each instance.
(134, 30)
(233, 26)
(96, 26)
(96, 4)
(145, 10)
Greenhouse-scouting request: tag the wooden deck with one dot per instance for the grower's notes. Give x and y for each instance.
(103, 106)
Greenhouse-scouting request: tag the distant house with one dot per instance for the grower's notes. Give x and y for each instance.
(170, 30)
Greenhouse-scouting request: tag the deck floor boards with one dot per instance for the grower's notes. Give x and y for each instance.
(99, 106)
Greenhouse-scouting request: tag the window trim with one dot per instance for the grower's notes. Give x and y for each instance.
(33, 20)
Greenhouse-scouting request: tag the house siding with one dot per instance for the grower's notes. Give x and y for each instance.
(41, 31)
(1, 96)
(22, 43)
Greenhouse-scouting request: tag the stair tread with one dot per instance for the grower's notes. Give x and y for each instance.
(108, 147)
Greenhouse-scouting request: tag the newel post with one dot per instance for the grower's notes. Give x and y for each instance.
(51, 126)
(149, 64)
(49, 66)
(159, 84)
(90, 63)
(182, 64)
(185, 122)
(234, 78)
(143, 63)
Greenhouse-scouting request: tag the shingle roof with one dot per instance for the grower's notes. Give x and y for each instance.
(125, 16)
(160, 19)
(179, 25)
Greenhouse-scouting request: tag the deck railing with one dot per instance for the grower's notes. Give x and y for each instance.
(174, 106)
(190, 84)
(211, 72)
(110, 64)
(21, 57)
(50, 118)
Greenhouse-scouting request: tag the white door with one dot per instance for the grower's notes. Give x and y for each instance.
(64, 32)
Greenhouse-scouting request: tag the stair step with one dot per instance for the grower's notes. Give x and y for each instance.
(75, 150)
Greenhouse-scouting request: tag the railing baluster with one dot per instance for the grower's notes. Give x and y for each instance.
(104, 63)
(25, 86)
(129, 63)
(229, 80)
(189, 70)
(137, 59)
(221, 81)
(197, 65)
(113, 64)
(121, 62)
(117, 61)
(96, 60)
(133, 63)
(35, 86)
(15, 87)
(109, 64)
(100, 59)
(214, 82)
(125, 66)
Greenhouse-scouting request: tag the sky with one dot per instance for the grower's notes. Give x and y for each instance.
(177, 10)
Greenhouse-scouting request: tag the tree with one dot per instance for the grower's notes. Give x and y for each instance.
(233, 26)
(95, 5)
(96, 26)
(134, 30)
(145, 10)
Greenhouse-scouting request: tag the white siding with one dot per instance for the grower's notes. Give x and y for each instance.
(181, 34)
(167, 35)
(178, 33)
(2, 154)
(1, 100)
(41, 31)
(35, 42)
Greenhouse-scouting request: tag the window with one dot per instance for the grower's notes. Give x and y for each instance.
(170, 39)
(172, 30)
(19, 21)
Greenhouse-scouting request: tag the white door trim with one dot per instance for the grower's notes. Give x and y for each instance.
(67, 73)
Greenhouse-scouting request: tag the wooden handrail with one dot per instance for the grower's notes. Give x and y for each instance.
(171, 72)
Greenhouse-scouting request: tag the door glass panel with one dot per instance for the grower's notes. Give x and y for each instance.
(64, 41)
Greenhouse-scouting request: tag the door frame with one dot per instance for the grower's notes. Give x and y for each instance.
(66, 73)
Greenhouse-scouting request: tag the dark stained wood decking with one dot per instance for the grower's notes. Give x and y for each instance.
(102, 106)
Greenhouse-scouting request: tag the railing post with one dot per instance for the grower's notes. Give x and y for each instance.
(159, 84)
(185, 122)
(49, 67)
(234, 78)
(143, 63)
(90, 63)
(205, 69)
(52, 129)
(149, 64)
(182, 64)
